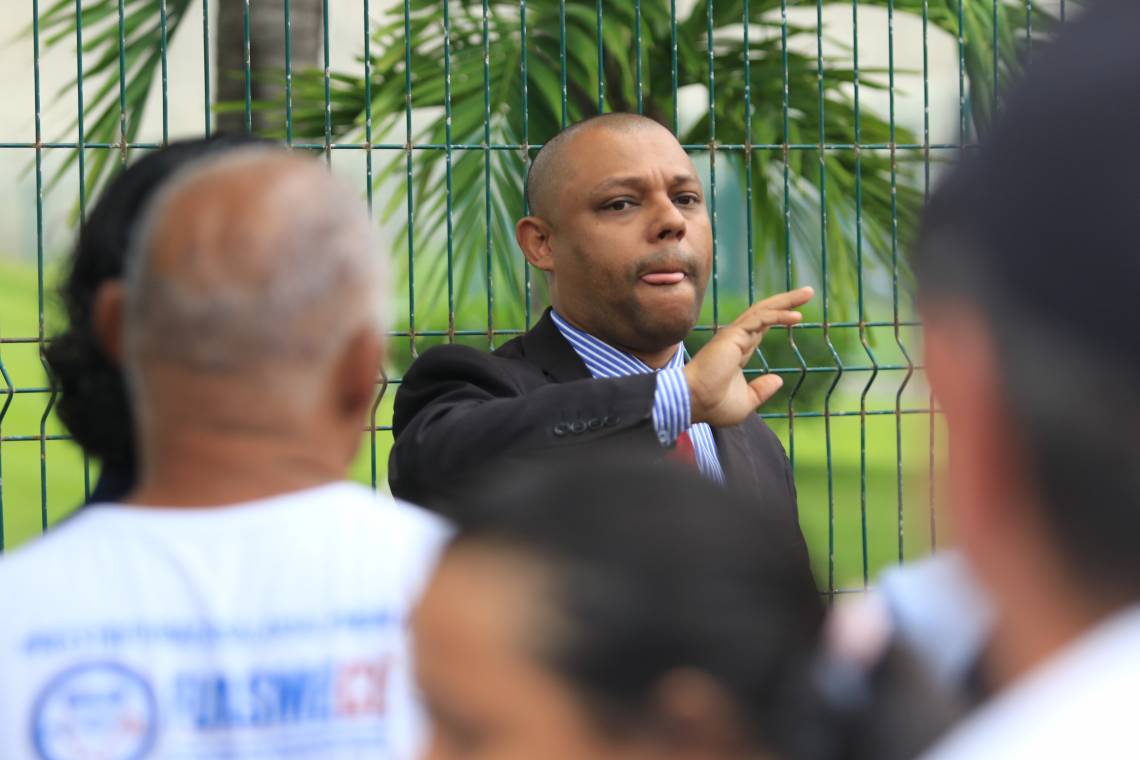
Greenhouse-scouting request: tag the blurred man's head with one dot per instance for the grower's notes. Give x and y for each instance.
(1028, 268)
(250, 307)
(92, 401)
(619, 222)
(564, 624)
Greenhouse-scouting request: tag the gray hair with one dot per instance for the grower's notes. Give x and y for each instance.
(283, 277)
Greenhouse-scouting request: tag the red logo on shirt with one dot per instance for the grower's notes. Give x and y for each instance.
(361, 687)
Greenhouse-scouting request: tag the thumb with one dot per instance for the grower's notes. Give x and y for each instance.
(765, 387)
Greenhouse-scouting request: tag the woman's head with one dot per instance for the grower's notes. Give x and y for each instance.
(92, 397)
(617, 613)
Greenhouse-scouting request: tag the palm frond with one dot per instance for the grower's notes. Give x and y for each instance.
(121, 54)
(455, 265)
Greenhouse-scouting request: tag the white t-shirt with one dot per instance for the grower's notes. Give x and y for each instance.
(1079, 704)
(274, 628)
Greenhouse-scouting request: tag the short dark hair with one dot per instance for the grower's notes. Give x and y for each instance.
(652, 568)
(92, 401)
(1036, 230)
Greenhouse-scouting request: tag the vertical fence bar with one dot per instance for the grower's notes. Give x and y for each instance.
(374, 475)
(963, 127)
(831, 588)
(925, 99)
(163, 50)
(562, 56)
(288, 20)
(39, 169)
(749, 252)
(996, 59)
(247, 65)
(601, 62)
(528, 282)
(81, 162)
(673, 64)
(487, 178)
(901, 524)
(409, 186)
(448, 167)
(860, 289)
(206, 66)
(637, 55)
(785, 108)
(328, 83)
(1029, 25)
(122, 84)
(711, 60)
(9, 392)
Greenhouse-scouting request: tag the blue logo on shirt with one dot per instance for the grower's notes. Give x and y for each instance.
(96, 709)
(271, 698)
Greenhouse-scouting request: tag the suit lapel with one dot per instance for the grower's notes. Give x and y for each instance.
(735, 458)
(544, 345)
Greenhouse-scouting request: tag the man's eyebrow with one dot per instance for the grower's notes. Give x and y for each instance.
(634, 181)
(625, 180)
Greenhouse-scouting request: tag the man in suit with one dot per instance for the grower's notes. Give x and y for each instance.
(620, 226)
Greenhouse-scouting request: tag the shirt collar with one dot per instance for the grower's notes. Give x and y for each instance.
(602, 359)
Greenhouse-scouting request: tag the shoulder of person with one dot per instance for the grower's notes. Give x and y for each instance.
(47, 561)
(1079, 703)
(378, 513)
(420, 536)
(759, 433)
(58, 541)
(454, 363)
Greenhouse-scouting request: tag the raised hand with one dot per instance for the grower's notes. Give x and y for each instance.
(720, 394)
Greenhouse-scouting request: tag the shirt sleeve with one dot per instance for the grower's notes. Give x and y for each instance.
(672, 405)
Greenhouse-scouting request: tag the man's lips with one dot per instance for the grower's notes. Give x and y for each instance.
(662, 278)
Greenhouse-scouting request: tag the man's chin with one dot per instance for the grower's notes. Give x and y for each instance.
(667, 325)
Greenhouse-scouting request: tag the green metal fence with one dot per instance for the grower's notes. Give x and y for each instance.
(814, 176)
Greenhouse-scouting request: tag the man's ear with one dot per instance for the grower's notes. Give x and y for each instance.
(698, 719)
(107, 319)
(357, 372)
(987, 464)
(533, 236)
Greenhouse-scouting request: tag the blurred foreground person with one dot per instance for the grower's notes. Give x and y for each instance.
(243, 599)
(563, 625)
(1028, 269)
(92, 402)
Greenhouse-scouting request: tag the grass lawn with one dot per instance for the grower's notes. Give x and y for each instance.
(851, 515)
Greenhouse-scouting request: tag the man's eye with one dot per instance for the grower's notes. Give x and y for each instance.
(619, 205)
(687, 200)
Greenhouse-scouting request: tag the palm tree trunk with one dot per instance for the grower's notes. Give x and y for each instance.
(267, 56)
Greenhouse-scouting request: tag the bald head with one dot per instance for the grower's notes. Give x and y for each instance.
(553, 165)
(255, 260)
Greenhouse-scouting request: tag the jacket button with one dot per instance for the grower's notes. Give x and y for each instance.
(577, 426)
(595, 423)
(561, 429)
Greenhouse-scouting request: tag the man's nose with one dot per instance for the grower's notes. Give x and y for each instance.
(668, 221)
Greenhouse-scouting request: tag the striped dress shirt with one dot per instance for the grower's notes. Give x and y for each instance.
(672, 411)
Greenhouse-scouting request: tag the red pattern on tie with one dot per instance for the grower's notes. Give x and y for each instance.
(683, 451)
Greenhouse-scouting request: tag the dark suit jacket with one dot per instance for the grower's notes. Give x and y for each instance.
(458, 409)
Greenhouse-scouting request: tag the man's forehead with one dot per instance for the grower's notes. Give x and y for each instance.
(602, 156)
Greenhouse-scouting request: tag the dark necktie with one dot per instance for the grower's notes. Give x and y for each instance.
(683, 451)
